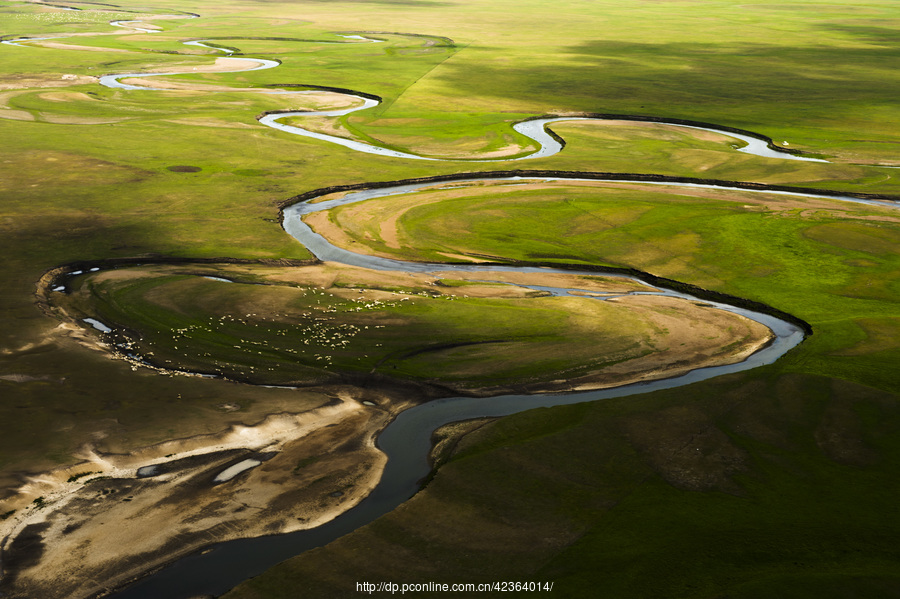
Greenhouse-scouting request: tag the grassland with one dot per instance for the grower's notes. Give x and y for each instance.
(806, 505)
(263, 330)
(833, 264)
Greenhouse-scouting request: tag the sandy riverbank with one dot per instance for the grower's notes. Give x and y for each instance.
(104, 528)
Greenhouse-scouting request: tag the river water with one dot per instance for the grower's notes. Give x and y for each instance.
(407, 440)
(534, 129)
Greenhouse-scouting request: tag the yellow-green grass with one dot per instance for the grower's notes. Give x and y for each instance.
(834, 264)
(524, 69)
(33, 17)
(217, 212)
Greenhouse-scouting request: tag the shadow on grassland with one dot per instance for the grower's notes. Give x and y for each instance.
(33, 244)
(889, 38)
(685, 78)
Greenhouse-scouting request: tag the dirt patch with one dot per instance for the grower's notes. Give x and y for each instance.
(596, 283)
(323, 125)
(401, 133)
(221, 65)
(180, 86)
(320, 100)
(66, 97)
(689, 334)
(15, 115)
(684, 336)
(446, 439)
(24, 82)
(184, 169)
(389, 231)
(462, 149)
(7, 112)
(60, 46)
(210, 122)
(652, 130)
(321, 224)
(78, 120)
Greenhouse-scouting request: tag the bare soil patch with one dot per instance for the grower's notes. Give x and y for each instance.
(657, 130)
(61, 46)
(210, 122)
(221, 65)
(24, 82)
(67, 97)
(15, 115)
(67, 119)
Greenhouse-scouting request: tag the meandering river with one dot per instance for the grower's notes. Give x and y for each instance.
(407, 440)
(534, 129)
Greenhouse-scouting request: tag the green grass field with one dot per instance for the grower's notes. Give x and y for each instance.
(300, 334)
(791, 490)
(833, 264)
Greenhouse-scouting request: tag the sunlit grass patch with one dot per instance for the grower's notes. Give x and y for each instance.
(264, 330)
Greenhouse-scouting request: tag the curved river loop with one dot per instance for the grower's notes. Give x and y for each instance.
(407, 439)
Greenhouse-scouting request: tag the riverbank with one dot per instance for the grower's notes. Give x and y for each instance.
(91, 527)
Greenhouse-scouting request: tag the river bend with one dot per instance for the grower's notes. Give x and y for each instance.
(407, 440)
